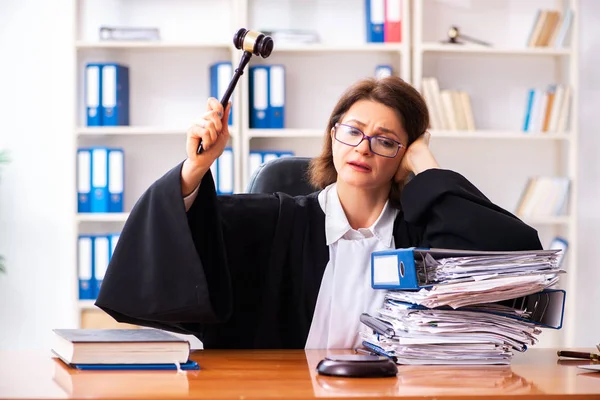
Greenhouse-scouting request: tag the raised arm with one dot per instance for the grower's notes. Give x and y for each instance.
(187, 268)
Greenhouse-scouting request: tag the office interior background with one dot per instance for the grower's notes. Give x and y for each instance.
(45, 45)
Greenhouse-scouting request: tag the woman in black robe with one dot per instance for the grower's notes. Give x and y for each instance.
(245, 270)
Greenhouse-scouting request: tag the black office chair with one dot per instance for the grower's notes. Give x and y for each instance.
(285, 174)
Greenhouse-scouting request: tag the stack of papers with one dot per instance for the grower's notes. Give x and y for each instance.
(464, 280)
(474, 309)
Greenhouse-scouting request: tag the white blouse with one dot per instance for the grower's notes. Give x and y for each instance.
(345, 290)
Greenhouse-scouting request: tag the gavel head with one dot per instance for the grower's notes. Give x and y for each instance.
(254, 42)
(453, 32)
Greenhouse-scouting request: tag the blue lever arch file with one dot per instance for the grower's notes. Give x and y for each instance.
(397, 269)
(84, 180)
(259, 96)
(375, 19)
(220, 76)
(93, 94)
(85, 267)
(276, 107)
(115, 94)
(99, 201)
(116, 177)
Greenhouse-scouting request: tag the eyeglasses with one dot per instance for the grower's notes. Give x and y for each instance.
(380, 145)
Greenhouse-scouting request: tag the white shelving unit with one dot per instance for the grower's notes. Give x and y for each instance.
(170, 85)
(494, 77)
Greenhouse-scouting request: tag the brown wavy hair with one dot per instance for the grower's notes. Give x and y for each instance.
(391, 91)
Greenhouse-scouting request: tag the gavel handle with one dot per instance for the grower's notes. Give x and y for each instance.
(474, 40)
(239, 71)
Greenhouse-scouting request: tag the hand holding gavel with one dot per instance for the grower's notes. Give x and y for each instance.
(211, 132)
(251, 42)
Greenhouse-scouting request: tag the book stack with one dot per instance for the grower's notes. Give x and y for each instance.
(105, 349)
(544, 196)
(547, 110)
(551, 28)
(462, 307)
(448, 109)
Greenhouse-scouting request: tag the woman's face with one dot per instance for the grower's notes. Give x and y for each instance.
(360, 166)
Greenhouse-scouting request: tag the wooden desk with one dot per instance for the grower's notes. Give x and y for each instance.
(536, 374)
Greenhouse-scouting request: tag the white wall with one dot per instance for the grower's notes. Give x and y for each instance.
(36, 124)
(36, 114)
(588, 323)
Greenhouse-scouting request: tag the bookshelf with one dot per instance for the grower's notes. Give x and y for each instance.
(170, 85)
(497, 78)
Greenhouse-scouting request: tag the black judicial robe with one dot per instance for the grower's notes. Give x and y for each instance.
(244, 271)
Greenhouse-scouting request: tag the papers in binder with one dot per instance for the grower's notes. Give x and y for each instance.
(439, 277)
(462, 307)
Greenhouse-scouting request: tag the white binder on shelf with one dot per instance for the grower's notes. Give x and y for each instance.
(220, 76)
(383, 71)
(276, 108)
(93, 100)
(114, 239)
(101, 257)
(84, 180)
(259, 96)
(116, 167)
(225, 172)
(99, 203)
(85, 267)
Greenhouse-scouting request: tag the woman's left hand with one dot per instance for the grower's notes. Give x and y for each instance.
(417, 158)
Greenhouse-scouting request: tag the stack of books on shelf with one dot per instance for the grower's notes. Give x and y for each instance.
(551, 28)
(123, 33)
(448, 109)
(462, 307)
(544, 196)
(293, 36)
(547, 110)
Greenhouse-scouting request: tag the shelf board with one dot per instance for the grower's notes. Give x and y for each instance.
(151, 45)
(87, 305)
(129, 130)
(102, 217)
(560, 220)
(494, 134)
(479, 49)
(285, 133)
(321, 47)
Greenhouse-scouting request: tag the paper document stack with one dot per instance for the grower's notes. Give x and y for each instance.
(458, 307)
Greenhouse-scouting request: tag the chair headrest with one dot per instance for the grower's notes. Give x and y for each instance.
(285, 174)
